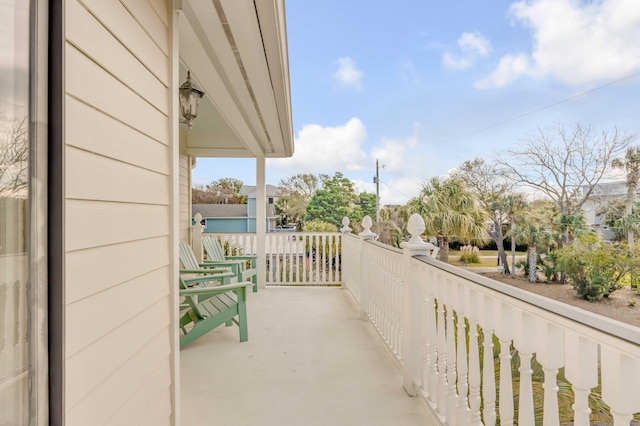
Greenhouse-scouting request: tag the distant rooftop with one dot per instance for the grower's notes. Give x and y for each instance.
(208, 211)
(250, 191)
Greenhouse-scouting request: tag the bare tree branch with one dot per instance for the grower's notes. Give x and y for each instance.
(564, 163)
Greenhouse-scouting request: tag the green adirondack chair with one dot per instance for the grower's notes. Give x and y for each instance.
(208, 305)
(215, 255)
(190, 263)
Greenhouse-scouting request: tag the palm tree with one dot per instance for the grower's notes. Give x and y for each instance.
(449, 210)
(532, 235)
(630, 164)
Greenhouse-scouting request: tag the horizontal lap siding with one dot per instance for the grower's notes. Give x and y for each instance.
(118, 212)
(185, 198)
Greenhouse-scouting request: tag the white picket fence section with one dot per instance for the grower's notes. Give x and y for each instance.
(293, 258)
(14, 365)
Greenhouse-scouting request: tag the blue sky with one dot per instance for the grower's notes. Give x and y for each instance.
(424, 85)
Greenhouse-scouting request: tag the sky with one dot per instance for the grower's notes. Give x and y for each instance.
(424, 85)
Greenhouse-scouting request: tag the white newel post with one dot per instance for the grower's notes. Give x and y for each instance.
(345, 226)
(196, 237)
(365, 289)
(412, 305)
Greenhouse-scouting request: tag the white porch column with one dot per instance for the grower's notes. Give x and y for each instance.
(261, 221)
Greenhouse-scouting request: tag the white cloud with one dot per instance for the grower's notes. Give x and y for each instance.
(455, 63)
(326, 149)
(472, 46)
(474, 43)
(580, 43)
(391, 153)
(409, 72)
(509, 69)
(348, 75)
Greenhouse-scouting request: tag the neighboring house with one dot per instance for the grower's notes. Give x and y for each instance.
(89, 314)
(601, 196)
(233, 218)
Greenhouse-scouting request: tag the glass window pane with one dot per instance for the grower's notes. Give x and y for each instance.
(14, 199)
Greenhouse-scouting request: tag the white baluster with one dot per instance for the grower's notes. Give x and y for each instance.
(504, 331)
(424, 330)
(452, 394)
(620, 378)
(488, 366)
(551, 357)
(581, 369)
(433, 338)
(463, 384)
(474, 360)
(442, 351)
(525, 328)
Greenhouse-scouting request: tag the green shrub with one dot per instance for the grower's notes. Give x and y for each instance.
(548, 265)
(524, 265)
(596, 269)
(469, 258)
(470, 254)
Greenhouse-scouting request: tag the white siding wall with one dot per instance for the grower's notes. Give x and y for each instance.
(118, 212)
(185, 192)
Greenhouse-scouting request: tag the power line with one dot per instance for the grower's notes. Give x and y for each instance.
(570, 98)
(392, 188)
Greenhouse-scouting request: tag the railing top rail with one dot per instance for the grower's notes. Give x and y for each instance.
(592, 320)
(385, 246)
(275, 233)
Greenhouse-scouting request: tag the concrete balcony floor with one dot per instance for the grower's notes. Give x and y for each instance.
(310, 360)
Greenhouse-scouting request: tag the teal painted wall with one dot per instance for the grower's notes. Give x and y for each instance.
(227, 225)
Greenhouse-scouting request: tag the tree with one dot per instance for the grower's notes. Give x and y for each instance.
(296, 192)
(366, 206)
(631, 165)
(564, 164)
(14, 157)
(221, 191)
(450, 211)
(532, 235)
(494, 195)
(302, 185)
(335, 200)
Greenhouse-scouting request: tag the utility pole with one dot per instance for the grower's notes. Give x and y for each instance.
(376, 180)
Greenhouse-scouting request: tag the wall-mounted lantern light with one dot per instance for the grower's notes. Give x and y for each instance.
(189, 101)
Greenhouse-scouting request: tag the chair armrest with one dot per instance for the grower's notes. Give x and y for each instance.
(222, 273)
(245, 257)
(213, 290)
(209, 263)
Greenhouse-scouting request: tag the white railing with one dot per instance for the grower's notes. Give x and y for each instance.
(13, 338)
(293, 258)
(476, 350)
(468, 342)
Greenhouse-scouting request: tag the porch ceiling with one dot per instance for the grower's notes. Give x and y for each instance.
(237, 53)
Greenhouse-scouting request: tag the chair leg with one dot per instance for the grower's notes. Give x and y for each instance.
(242, 318)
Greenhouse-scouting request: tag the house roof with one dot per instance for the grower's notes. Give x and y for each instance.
(237, 54)
(220, 210)
(212, 211)
(250, 191)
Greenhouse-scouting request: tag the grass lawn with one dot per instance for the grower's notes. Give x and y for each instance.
(487, 257)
